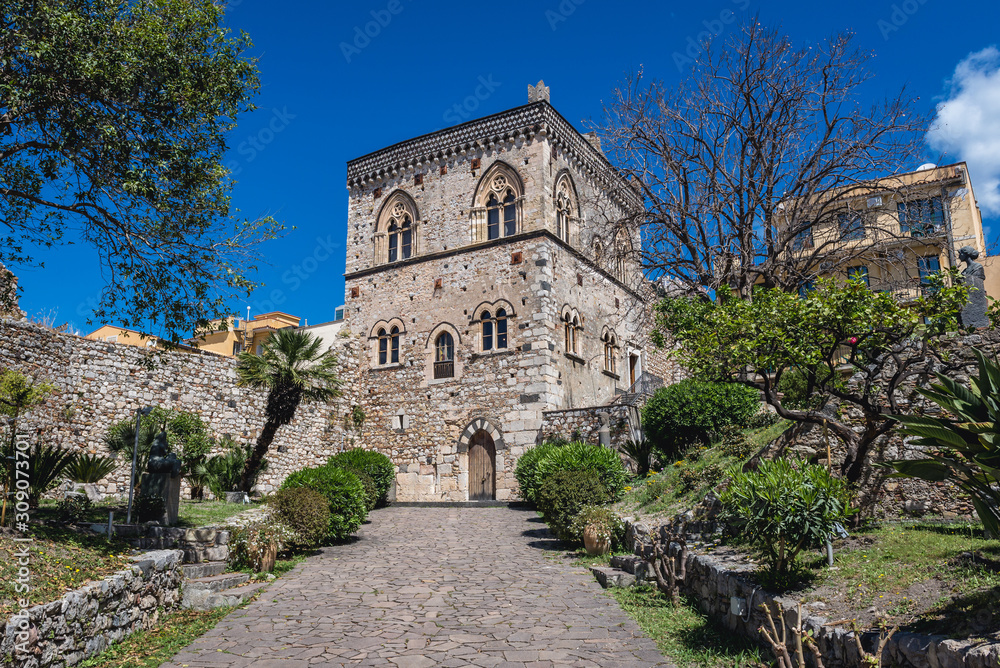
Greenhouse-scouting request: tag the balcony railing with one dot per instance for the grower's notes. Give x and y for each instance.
(444, 369)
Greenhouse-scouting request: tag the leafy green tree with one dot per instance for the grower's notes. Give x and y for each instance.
(835, 331)
(113, 122)
(19, 394)
(964, 448)
(292, 367)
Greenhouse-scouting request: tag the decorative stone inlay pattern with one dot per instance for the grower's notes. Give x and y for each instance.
(429, 587)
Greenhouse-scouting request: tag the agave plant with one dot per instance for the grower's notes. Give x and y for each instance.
(89, 468)
(965, 448)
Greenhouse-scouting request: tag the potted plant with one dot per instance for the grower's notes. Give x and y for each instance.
(597, 527)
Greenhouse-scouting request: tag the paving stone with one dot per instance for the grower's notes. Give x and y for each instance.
(431, 587)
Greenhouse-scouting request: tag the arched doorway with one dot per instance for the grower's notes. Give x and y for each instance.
(482, 467)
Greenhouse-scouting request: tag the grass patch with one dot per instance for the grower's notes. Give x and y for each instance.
(148, 649)
(761, 437)
(944, 578)
(61, 560)
(191, 513)
(687, 636)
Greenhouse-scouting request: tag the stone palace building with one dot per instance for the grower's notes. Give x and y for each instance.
(498, 292)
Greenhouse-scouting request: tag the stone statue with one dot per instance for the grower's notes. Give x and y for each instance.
(974, 312)
(163, 478)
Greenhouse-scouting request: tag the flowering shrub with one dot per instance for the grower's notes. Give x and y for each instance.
(74, 508)
(250, 542)
(607, 522)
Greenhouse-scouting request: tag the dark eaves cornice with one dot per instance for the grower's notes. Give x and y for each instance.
(537, 119)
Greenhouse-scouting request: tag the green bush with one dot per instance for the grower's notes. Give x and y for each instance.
(223, 472)
(371, 490)
(782, 508)
(342, 490)
(609, 524)
(89, 468)
(74, 508)
(378, 467)
(563, 495)
(692, 411)
(605, 463)
(527, 467)
(305, 511)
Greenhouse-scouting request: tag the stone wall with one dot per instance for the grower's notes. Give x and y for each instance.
(197, 545)
(899, 497)
(584, 424)
(713, 581)
(86, 621)
(99, 383)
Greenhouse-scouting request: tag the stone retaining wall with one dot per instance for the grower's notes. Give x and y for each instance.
(196, 545)
(713, 580)
(86, 621)
(584, 424)
(99, 383)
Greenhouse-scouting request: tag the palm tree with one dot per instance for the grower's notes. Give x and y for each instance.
(293, 368)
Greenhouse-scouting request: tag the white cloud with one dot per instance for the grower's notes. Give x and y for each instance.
(967, 126)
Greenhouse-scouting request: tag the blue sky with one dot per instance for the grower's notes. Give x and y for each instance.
(329, 95)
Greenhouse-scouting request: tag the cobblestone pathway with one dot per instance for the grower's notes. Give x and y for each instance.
(429, 587)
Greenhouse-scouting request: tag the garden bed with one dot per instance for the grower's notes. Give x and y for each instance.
(191, 514)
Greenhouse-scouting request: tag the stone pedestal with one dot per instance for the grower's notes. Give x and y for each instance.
(171, 501)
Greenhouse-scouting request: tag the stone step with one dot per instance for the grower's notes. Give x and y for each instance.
(204, 569)
(613, 577)
(637, 566)
(216, 583)
(204, 599)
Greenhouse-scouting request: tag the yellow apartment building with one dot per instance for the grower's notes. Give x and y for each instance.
(235, 335)
(893, 232)
(127, 337)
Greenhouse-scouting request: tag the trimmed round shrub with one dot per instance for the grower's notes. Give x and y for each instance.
(378, 467)
(692, 411)
(563, 495)
(343, 491)
(371, 490)
(603, 462)
(305, 511)
(527, 467)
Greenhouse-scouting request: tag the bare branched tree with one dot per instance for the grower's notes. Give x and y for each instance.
(759, 167)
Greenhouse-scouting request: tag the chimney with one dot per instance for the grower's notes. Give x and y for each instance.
(594, 140)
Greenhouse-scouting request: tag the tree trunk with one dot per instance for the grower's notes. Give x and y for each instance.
(257, 456)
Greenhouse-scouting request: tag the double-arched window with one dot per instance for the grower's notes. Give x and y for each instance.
(496, 209)
(565, 207)
(494, 329)
(610, 351)
(572, 329)
(388, 346)
(444, 356)
(396, 232)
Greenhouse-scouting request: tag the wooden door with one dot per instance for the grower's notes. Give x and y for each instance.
(482, 467)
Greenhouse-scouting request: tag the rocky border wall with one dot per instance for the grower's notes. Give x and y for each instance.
(86, 621)
(713, 580)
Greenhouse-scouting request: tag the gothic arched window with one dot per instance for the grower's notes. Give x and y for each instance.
(496, 207)
(571, 332)
(487, 319)
(565, 208)
(494, 330)
(610, 352)
(395, 236)
(501, 329)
